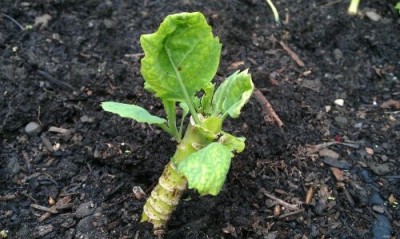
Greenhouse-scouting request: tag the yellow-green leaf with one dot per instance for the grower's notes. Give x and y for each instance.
(181, 56)
(134, 112)
(207, 168)
(233, 94)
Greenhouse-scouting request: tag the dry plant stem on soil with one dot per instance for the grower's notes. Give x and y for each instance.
(280, 201)
(267, 110)
(291, 53)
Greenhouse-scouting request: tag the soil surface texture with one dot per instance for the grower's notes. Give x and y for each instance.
(68, 169)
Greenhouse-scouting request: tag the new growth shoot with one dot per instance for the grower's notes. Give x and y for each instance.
(353, 7)
(274, 11)
(181, 59)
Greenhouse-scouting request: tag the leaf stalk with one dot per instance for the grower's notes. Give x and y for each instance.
(188, 100)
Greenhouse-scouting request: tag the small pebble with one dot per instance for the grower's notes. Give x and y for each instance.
(341, 164)
(384, 158)
(358, 125)
(339, 102)
(328, 108)
(372, 15)
(381, 168)
(378, 209)
(41, 231)
(328, 153)
(33, 128)
(13, 166)
(85, 209)
(109, 24)
(369, 151)
(338, 54)
(86, 119)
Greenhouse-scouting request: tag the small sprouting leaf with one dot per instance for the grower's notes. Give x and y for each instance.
(233, 94)
(207, 168)
(134, 112)
(185, 109)
(181, 57)
(232, 142)
(212, 124)
(206, 100)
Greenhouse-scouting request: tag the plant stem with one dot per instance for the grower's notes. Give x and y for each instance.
(164, 198)
(167, 193)
(274, 11)
(353, 8)
(188, 100)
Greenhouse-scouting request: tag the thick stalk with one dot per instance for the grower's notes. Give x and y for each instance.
(166, 195)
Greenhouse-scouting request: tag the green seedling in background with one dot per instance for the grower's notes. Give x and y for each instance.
(397, 7)
(181, 59)
(353, 7)
(274, 11)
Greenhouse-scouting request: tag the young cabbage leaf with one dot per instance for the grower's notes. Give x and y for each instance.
(207, 168)
(181, 58)
(233, 94)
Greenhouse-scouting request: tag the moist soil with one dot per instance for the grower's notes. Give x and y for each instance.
(331, 171)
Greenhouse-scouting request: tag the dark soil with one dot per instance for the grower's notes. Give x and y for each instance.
(82, 164)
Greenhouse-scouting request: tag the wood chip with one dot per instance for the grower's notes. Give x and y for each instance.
(337, 173)
(395, 104)
(309, 195)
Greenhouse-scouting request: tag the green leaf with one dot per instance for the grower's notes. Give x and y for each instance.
(181, 58)
(206, 100)
(134, 112)
(233, 94)
(185, 111)
(207, 168)
(232, 142)
(170, 110)
(212, 124)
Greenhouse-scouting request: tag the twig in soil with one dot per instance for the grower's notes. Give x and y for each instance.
(54, 80)
(348, 197)
(43, 208)
(290, 214)
(8, 197)
(312, 149)
(291, 53)
(267, 110)
(13, 20)
(280, 201)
